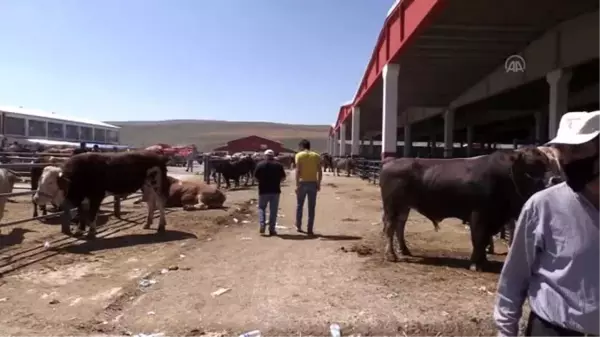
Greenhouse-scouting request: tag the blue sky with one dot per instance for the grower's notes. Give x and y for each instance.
(292, 61)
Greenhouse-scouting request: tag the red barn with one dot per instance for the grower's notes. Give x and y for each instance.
(252, 144)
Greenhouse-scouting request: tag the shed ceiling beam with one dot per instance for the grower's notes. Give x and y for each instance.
(569, 43)
(489, 28)
(490, 117)
(472, 39)
(495, 47)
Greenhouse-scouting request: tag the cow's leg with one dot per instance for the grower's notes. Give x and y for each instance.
(117, 206)
(480, 239)
(151, 203)
(44, 210)
(400, 226)
(94, 207)
(490, 247)
(160, 203)
(154, 183)
(83, 211)
(35, 209)
(393, 222)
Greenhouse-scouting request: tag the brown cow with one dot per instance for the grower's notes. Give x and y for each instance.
(487, 191)
(89, 176)
(189, 191)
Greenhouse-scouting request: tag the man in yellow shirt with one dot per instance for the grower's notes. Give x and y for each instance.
(308, 183)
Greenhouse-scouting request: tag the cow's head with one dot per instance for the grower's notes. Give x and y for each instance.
(51, 187)
(534, 169)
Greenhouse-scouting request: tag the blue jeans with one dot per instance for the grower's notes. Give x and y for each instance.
(306, 189)
(273, 201)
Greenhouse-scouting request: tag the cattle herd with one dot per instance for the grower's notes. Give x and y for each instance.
(84, 180)
(486, 192)
(239, 166)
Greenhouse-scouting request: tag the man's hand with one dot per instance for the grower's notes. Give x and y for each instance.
(318, 187)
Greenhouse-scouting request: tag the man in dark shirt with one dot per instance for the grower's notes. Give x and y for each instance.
(270, 174)
(82, 148)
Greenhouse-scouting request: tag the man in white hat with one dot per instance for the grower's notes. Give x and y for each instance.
(269, 173)
(554, 260)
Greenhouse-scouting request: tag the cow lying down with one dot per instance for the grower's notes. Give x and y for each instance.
(190, 191)
(486, 191)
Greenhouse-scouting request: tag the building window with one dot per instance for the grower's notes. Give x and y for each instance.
(112, 136)
(86, 134)
(99, 135)
(55, 130)
(14, 126)
(37, 128)
(72, 132)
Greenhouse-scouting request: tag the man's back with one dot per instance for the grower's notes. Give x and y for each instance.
(310, 162)
(269, 174)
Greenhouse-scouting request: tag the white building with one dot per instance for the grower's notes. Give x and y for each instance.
(17, 123)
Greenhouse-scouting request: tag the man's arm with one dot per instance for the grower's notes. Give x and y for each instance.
(516, 273)
(258, 171)
(319, 174)
(298, 170)
(282, 172)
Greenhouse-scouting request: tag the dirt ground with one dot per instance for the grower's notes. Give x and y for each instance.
(132, 281)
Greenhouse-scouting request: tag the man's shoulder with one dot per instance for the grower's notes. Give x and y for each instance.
(261, 163)
(549, 196)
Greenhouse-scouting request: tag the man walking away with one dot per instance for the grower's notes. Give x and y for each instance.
(554, 257)
(270, 174)
(190, 159)
(308, 183)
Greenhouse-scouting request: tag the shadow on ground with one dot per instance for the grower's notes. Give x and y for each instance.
(127, 241)
(318, 236)
(453, 262)
(15, 237)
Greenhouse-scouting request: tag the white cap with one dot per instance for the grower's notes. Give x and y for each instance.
(269, 153)
(577, 128)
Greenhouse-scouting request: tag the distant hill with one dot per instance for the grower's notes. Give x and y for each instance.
(209, 134)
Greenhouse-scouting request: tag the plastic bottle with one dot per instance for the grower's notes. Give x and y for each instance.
(335, 330)
(253, 333)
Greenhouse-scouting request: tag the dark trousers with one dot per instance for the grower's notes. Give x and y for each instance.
(537, 326)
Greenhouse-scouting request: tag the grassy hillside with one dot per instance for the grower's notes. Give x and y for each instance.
(208, 134)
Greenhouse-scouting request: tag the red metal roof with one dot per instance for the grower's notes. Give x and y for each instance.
(400, 27)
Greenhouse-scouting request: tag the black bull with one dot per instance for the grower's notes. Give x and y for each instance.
(486, 191)
(234, 170)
